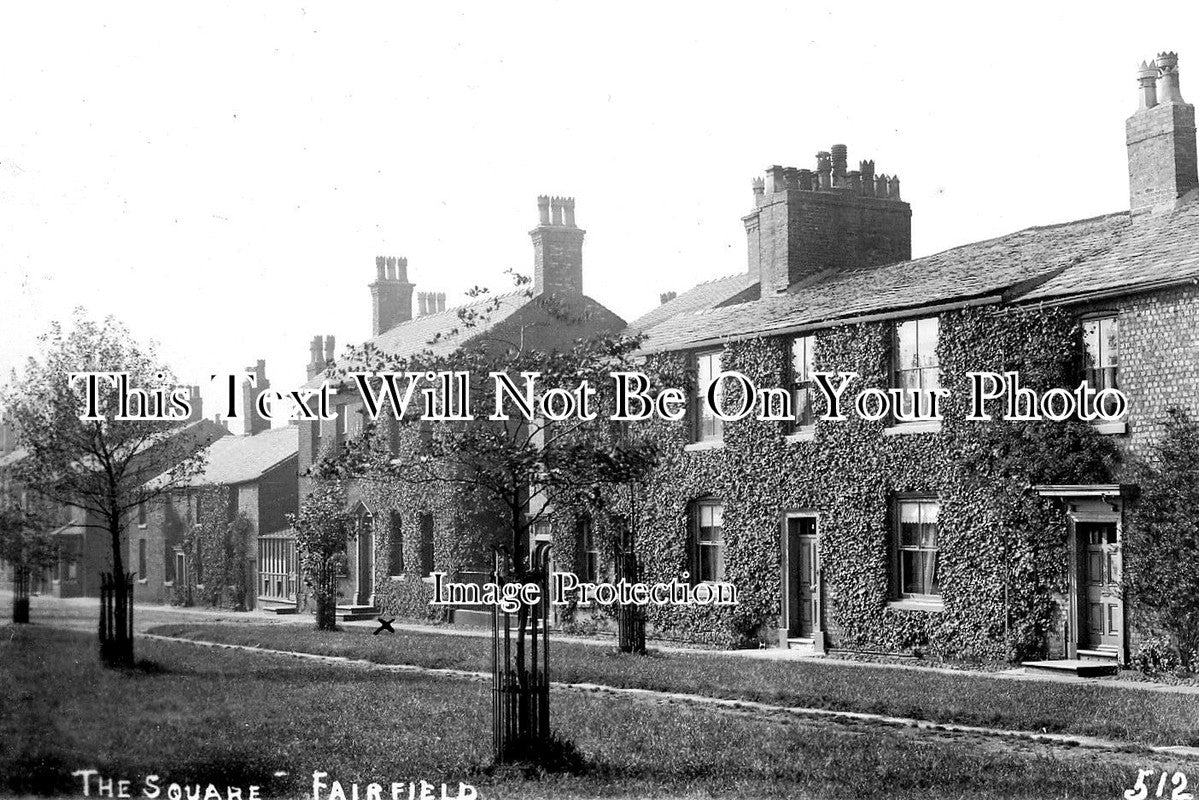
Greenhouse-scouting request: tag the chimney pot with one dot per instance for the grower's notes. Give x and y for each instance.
(666, 297)
(441, 301)
(556, 209)
(774, 179)
(758, 185)
(840, 155)
(329, 348)
(568, 209)
(380, 261)
(543, 209)
(1167, 67)
(1147, 83)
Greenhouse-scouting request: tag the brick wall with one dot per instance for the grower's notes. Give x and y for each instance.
(1159, 361)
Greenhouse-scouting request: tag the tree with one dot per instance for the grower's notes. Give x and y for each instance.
(1161, 566)
(26, 548)
(106, 467)
(511, 473)
(323, 527)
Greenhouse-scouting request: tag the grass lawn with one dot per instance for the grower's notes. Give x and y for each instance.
(965, 698)
(195, 715)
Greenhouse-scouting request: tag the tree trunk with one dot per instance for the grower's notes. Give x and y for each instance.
(20, 596)
(326, 600)
(118, 650)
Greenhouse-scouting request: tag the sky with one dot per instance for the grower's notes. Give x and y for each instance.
(221, 177)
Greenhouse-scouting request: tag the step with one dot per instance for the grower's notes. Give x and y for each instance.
(355, 613)
(1099, 654)
(1082, 668)
(280, 609)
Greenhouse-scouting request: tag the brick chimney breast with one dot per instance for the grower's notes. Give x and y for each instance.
(1162, 163)
(810, 221)
(391, 294)
(254, 422)
(557, 249)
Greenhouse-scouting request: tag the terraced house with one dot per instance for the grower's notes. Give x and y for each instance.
(404, 533)
(964, 538)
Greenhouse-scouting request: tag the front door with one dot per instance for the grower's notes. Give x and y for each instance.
(366, 560)
(803, 597)
(1101, 603)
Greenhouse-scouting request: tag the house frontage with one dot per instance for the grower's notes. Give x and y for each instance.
(405, 532)
(880, 532)
(224, 538)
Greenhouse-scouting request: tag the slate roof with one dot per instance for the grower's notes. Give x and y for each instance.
(1055, 263)
(707, 295)
(1162, 248)
(443, 332)
(237, 459)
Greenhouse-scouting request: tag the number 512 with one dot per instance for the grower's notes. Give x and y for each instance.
(1140, 790)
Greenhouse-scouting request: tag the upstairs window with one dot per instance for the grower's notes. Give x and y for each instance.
(1101, 345)
(803, 364)
(141, 513)
(707, 523)
(914, 363)
(916, 549)
(708, 427)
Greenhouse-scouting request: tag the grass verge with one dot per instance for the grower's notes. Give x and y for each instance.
(234, 718)
(964, 698)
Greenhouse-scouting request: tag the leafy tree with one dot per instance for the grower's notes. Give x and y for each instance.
(26, 548)
(1161, 565)
(509, 474)
(106, 467)
(323, 527)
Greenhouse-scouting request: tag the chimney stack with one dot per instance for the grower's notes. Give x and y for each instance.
(666, 297)
(1162, 162)
(316, 357)
(254, 423)
(557, 250)
(391, 294)
(330, 346)
(805, 222)
(197, 404)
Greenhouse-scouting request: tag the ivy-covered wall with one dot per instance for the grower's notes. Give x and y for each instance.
(1002, 547)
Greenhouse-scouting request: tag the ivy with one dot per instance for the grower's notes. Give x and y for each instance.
(217, 553)
(1003, 556)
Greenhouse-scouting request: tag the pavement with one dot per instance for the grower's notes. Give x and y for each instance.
(80, 613)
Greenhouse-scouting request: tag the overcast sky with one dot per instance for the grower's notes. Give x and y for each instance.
(222, 179)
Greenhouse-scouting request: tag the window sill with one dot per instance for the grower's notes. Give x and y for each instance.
(397, 578)
(904, 428)
(694, 447)
(141, 581)
(141, 526)
(168, 584)
(913, 604)
(1111, 428)
(805, 435)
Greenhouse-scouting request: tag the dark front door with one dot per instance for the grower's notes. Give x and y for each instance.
(1101, 601)
(803, 601)
(366, 562)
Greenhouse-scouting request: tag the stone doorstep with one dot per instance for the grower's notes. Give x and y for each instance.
(353, 613)
(1079, 667)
